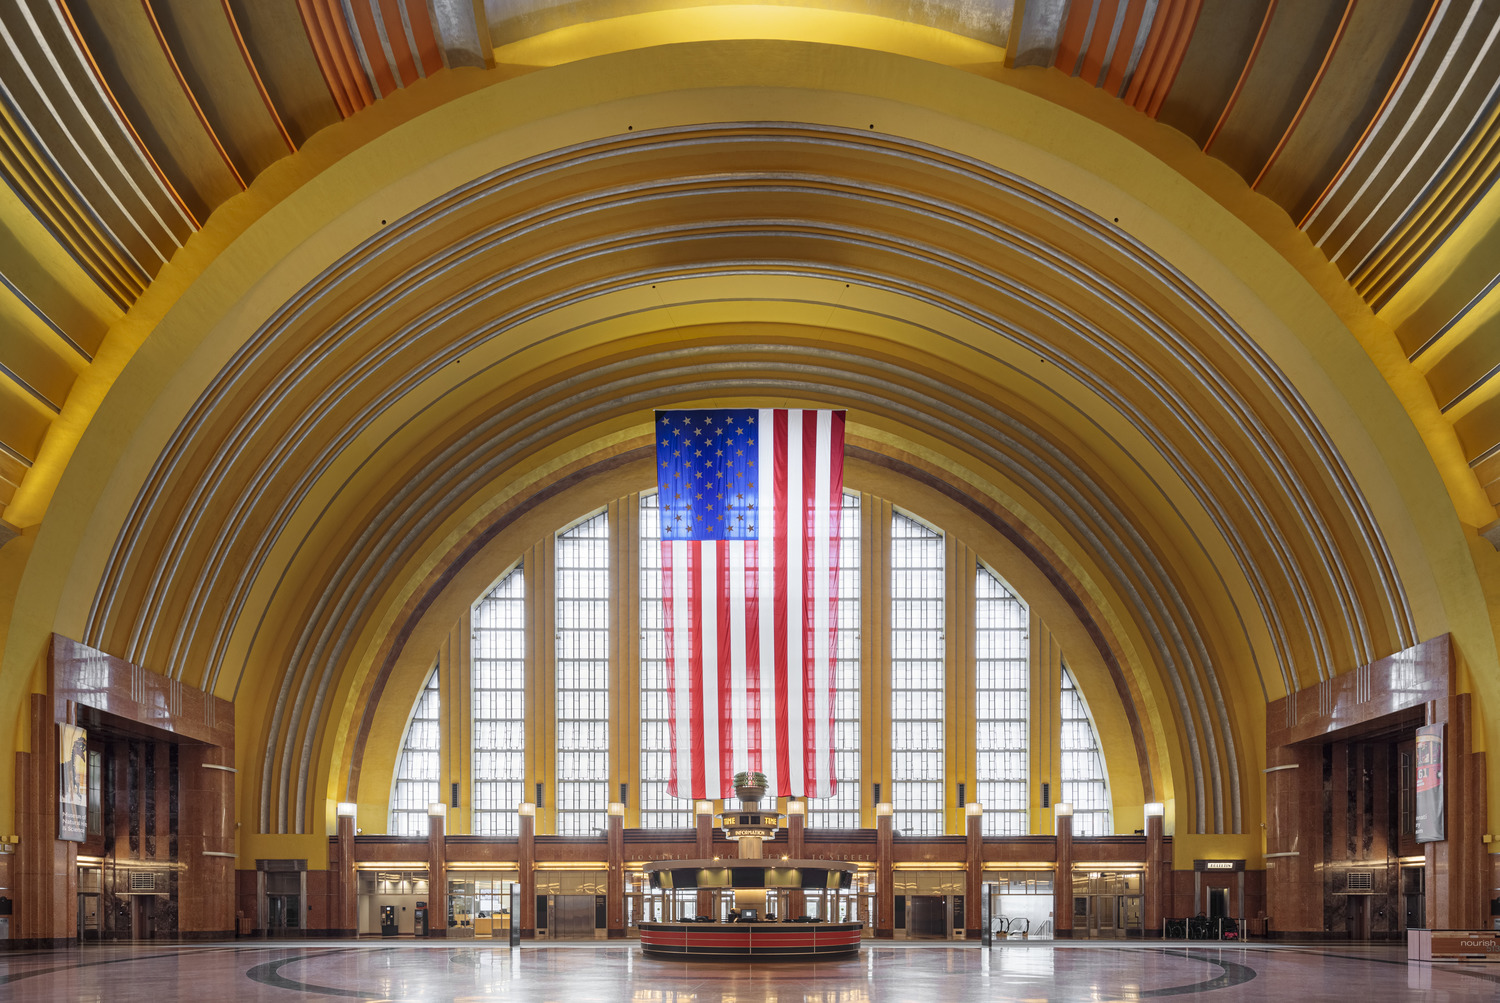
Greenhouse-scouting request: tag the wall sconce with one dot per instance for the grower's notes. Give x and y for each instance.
(526, 808)
(704, 808)
(973, 808)
(885, 808)
(348, 809)
(616, 808)
(437, 809)
(1155, 809)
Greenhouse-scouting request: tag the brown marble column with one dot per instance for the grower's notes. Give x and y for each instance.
(796, 826)
(885, 874)
(1456, 898)
(526, 864)
(205, 903)
(1062, 882)
(616, 890)
(1157, 871)
(1294, 839)
(704, 821)
(346, 907)
(45, 867)
(974, 876)
(437, 876)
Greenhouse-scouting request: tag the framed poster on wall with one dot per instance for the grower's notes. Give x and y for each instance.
(72, 782)
(1431, 810)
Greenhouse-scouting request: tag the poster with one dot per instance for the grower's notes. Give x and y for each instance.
(1430, 800)
(72, 782)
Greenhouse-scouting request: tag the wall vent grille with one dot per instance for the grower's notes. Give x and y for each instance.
(1361, 881)
(142, 881)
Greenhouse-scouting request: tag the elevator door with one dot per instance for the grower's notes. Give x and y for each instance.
(283, 915)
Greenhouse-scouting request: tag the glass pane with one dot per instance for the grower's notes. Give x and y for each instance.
(917, 677)
(659, 810)
(498, 680)
(416, 783)
(1084, 783)
(1001, 706)
(583, 676)
(841, 810)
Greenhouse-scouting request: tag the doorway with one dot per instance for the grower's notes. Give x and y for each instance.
(1108, 904)
(283, 913)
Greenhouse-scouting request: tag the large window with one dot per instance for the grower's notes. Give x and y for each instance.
(416, 784)
(499, 685)
(917, 677)
(583, 677)
(1001, 706)
(658, 808)
(1084, 783)
(842, 809)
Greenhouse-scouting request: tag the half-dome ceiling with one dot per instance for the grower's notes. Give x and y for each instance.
(126, 126)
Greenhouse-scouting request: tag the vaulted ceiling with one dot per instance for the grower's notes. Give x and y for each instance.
(125, 125)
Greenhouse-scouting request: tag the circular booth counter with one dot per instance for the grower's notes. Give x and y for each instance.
(750, 940)
(749, 935)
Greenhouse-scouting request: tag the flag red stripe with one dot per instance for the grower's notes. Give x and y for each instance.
(806, 509)
(757, 703)
(783, 753)
(674, 783)
(726, 671)
(835, 538)
(695, 622)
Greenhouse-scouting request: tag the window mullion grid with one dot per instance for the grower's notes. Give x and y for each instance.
(498, 680)
(583, 677)
(416, 784)
(917, 677)
(1085, 785)
(1001, 706)
(842, 809)
(659, 810)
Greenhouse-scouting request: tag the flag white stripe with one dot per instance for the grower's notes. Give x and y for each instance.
(708, 605)
(765, 447)
(740, 709)
(796, 611)
(818, 783)
(682, 668)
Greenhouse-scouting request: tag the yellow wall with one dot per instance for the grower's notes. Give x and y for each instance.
(335, 194)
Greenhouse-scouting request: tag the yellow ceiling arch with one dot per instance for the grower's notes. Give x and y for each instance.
(505, 284)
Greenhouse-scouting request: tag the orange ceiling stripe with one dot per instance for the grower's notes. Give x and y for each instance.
(349, 89)
(187, 90)
(124, 119)
(1146, 71)
(314, 31)
(1312, 88)
(342, 44)
(1071, 42)
(1120, 61)
(1171, 63)
(260, 85)
(1260, 38)
(320, 54)
(395, 33)
(1390, 93)
(421, 30)
(369, 41)
(1104, 26)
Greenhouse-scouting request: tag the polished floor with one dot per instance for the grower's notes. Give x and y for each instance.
(289, 971)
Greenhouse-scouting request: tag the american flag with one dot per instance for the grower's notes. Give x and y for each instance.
(750, 503)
